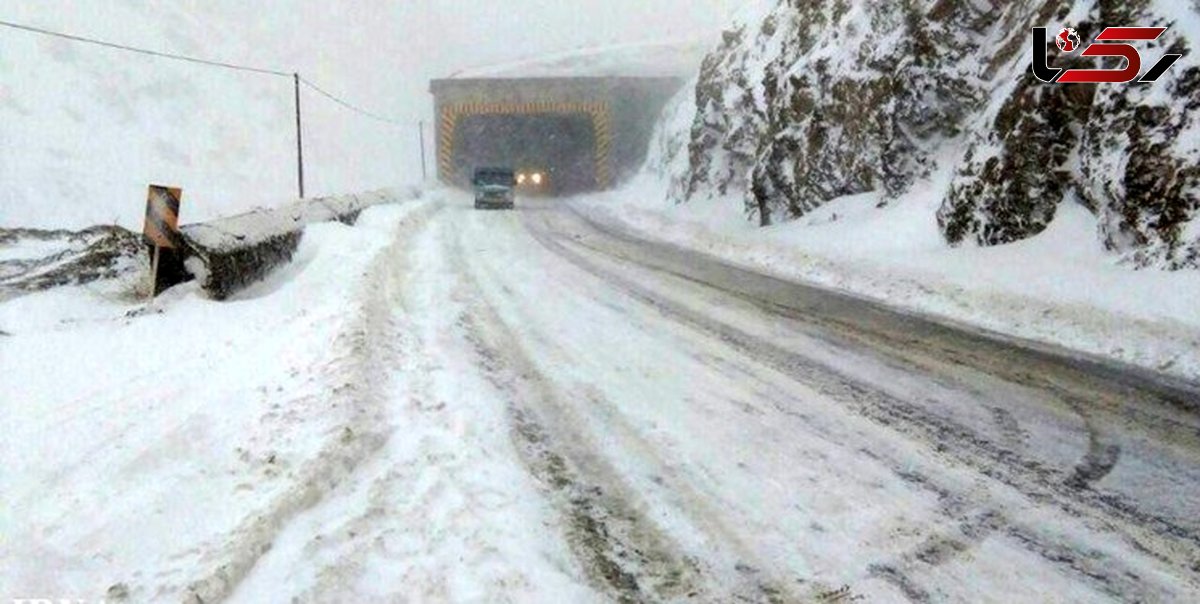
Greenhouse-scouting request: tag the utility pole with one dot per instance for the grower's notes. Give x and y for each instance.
(421, 136)
(299, 138)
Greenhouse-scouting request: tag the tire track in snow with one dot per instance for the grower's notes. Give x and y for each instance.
(1088, 401)
(1169, 406)
(1086, 396)
(619, 550)
(1159, 536)
(619, 547)
(1102, 453)
(1167, 411)
(1010, 428)
(367, 354)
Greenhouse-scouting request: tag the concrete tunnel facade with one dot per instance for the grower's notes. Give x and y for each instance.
(585, 133)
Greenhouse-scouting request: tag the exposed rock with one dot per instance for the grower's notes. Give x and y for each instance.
(826, 99)
(1019, 168)
(819, 99)
(1141, 160)
(35, 260)
(118, 591)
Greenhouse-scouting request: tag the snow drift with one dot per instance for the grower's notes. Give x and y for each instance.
(231, 253)
(224, 255)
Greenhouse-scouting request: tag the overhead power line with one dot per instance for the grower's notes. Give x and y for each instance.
(348, 105)
(294, 76)
(199, 61)
(145, 51)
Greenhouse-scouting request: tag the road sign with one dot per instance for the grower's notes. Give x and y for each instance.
(162, 215)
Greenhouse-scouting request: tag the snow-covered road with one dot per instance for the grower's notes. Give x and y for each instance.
(530, 408)
(691, 430)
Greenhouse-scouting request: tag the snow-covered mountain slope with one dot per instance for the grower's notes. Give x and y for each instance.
(1057, 285)
(806, 102)
(86, 128)
(33, 260)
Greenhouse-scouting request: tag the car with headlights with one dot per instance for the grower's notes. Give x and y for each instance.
(495, 188)
(533, 181)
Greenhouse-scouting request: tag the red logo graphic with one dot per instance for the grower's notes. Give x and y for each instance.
(1067, 40)
(1108, 44)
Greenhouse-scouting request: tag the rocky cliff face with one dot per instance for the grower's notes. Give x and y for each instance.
(811, 100)
(1140, 165)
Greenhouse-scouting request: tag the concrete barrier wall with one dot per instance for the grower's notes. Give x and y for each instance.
(228, 254)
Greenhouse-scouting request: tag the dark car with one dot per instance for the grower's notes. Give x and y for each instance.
(494, 188)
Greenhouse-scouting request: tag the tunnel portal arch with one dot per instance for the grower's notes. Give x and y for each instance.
(453, 117)
(621, 112)
(560, 147)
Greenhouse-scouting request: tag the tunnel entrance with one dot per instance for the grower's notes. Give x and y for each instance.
(585, 133)
(559, 147)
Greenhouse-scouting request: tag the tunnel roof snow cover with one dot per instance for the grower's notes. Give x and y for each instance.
(580, 119)
(583, 133)
(675, 59)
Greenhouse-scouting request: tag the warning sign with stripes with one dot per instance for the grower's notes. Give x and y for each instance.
(162, 215)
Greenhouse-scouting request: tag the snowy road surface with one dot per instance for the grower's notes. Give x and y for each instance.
(551, 412)
(694, 431)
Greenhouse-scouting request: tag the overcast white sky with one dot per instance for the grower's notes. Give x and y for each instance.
(419, 40)
(90, 112)
(382, 48)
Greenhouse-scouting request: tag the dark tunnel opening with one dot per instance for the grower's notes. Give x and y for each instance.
(561, 147)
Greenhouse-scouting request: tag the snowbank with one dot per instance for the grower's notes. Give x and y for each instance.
(224, 255)
(1057, 288)
(231, 253)
(161, 450)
